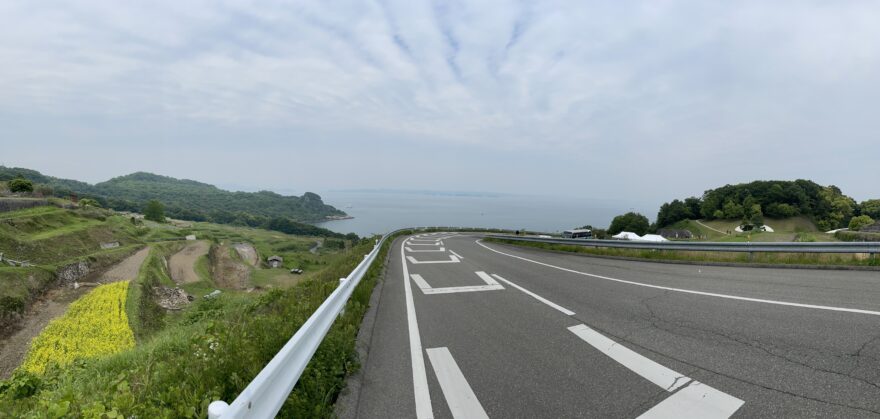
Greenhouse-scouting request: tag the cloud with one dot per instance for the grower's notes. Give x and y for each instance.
(680, 85)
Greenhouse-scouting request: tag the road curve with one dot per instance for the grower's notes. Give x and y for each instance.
(470, 329)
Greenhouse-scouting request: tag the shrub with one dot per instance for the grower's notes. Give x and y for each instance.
(856, 223)
(21, 185)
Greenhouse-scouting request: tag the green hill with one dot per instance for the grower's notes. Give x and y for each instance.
(188, 199)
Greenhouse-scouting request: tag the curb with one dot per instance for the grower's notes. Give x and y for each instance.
(346, 406)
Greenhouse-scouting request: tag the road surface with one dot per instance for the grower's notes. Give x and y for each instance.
(467, 329)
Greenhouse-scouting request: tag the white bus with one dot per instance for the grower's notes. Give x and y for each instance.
(581, 233)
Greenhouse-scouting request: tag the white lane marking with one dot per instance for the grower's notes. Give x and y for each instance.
(564, 310)
(453, 290)
(426, 288)
(652, 371)
(420, 377)
(697, 400)
(452, 259)
(486, 278)
(423, 285)
(423, 244)
(409, 249)
(708, 294)
(462, 401)
(456, 254)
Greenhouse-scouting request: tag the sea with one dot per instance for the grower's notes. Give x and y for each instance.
(379, 212)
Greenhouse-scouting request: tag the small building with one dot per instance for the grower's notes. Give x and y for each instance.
(275, 261)
(672, 233)
(191, 237)
(578, 233)
(873, 228)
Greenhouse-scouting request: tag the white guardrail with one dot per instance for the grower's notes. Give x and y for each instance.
(781, 247)
(265, 395)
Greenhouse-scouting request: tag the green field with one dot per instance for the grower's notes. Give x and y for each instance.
(785, 230)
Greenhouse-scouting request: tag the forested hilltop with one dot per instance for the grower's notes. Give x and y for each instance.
(827, 206)
(190, 200)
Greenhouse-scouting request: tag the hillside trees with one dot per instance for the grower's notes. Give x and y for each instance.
(871, 208)
(631, 221)
(155, 211)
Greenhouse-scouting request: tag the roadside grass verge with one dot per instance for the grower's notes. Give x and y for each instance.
(711, 257)
(209, 352)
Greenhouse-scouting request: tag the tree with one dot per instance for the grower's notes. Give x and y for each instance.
(871, 208)
(856, 223)
(20, 184)
(631, 221)
(155, 211)
(88, 202)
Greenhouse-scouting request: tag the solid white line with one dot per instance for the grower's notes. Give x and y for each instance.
(456, 254)
(471, 288)
(423, 285)
(650, 370)
(461, 399)
(420, 377)
(409, 249)
(486, 278)
(697, 400)
(708, 294)
(564, 310)
(452, 259)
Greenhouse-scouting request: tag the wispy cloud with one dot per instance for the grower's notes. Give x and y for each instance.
(672, 86)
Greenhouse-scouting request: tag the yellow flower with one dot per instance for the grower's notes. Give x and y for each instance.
(94, 325)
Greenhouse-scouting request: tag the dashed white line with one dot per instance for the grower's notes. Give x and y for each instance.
(462, 401)
(456, 254)
(562, 309)
(420, 377)
(650, 370)
(687, 291)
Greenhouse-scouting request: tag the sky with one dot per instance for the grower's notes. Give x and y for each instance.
(643, 101)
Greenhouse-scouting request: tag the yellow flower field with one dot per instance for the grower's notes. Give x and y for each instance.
(94, 325)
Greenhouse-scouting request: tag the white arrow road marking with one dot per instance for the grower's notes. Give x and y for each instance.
(695, 399)
(420, 377)
(409, 249)
(491, 285)
(462, 401)
(452, 259)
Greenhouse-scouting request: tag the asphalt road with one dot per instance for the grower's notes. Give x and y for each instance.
(506, 332)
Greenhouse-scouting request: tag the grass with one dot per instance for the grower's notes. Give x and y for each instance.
(711, 257)
(209, 352)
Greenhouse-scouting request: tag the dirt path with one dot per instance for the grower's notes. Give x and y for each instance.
(247, 253)
(53, 304)
(183, 263)
(710, 228)
(317, 246)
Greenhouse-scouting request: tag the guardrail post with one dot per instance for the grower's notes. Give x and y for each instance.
(216, 409)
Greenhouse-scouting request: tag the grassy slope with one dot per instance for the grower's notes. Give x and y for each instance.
(786, 229)
(202, 355)
(51, 237)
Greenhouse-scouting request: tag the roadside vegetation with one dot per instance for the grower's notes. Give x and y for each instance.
(811, 259)
(173, 362)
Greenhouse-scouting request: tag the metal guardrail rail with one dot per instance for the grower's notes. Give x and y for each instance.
(265, 395)
(778, 247)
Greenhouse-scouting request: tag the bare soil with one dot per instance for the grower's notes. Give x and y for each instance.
(228, 271)
(248, 253)
(182, 264)
(53, 304)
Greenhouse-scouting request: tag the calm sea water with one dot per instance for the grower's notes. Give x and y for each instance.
(381, 212)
